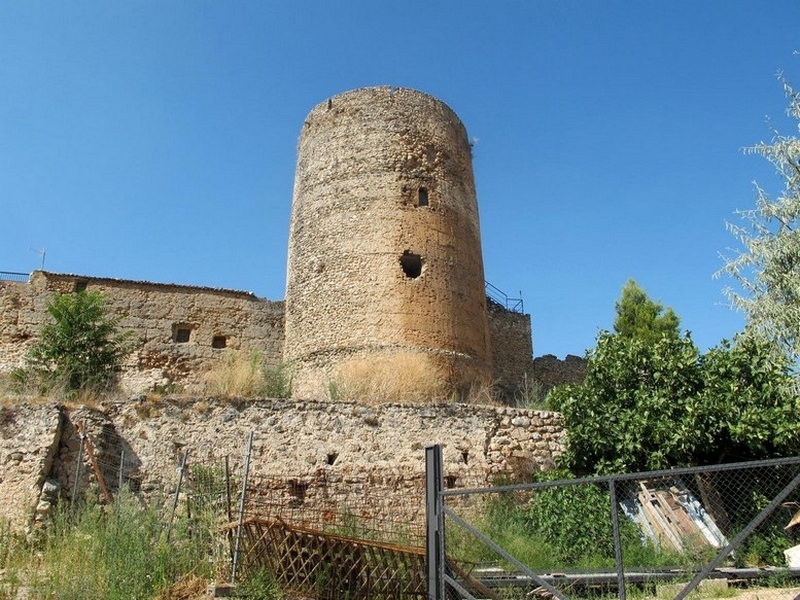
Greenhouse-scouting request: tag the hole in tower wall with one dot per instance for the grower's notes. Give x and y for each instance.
(411, 264)
(332, 458)
(181, 333)
(422, 199)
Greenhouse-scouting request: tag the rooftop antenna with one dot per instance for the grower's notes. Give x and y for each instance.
(41, 252)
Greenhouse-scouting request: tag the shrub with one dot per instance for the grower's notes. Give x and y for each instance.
(79, 349)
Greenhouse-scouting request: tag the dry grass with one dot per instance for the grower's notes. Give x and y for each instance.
(248, 377)
(397, 377)
(13, 393)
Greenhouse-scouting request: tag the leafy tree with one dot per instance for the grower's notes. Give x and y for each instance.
(81, 346)
(750, 395)
(656, 403)
(639, 317)
(633, 410)
(767, 268)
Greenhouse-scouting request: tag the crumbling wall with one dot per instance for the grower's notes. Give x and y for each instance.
(29, 443)
(156, 312)
(551, 371)
(178, 332)
(512, 349)
(337, 453)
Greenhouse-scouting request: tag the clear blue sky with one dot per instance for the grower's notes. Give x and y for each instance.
(157, 140)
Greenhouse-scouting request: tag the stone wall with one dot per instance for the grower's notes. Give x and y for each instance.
(29, 442)
(154, 312)
(551, 371)
(336, 453)
(179, 332)
(512, 349)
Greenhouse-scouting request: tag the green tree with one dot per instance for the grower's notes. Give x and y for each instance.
(81, 347)
(640, 317)
(751, 402)
(657, 403)
(767, 267)
(630, 413)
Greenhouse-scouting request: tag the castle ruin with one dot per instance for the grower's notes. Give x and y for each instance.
(384, 257)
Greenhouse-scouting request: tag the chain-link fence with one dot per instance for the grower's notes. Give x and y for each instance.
(714, 531)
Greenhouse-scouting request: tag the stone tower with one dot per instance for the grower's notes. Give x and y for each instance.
(384, 243)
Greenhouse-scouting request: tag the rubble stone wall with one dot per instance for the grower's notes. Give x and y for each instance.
(512, 349)
(179, 332)
(334, 452)
(551, 371)
(154, 312)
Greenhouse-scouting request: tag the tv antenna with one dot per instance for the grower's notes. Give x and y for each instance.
(41, 252)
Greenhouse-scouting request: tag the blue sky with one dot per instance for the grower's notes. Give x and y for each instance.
(157, 140)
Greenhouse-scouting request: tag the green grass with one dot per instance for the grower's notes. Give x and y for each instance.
(119, 552)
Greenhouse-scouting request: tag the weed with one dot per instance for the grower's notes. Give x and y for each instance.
(260, 585)
(115, 555)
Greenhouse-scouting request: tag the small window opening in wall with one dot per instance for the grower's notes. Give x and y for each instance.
(450, 481)
(297, 489)
(80, 285)
(332, 458)
(412, 264)
(219, 341)
(422, 197)
(465, 456)
(181, 334)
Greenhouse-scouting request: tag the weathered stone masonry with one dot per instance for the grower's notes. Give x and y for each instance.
(384, 242)
(180, 332)
(158, 313)
(338, 452)
(384, 256)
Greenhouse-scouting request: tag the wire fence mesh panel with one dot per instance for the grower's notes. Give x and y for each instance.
(716, 531)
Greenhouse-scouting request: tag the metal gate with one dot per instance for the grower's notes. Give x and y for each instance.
(665, 533)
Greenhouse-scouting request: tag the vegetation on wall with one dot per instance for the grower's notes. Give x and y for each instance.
(80, 348)
(249, 376)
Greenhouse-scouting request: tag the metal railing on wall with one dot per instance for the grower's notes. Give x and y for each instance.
(498, 296)
(14, 276)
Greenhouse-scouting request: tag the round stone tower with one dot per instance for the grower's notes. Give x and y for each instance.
(384, 243)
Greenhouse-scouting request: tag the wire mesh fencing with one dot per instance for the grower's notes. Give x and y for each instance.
(715, 531)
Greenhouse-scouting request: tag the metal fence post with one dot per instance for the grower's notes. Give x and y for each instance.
(77, 468)
(177, 492)
(241, 508)
(434, 510)
(119, 483)
(612, 488)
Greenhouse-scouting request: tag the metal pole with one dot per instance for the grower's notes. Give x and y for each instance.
(119, 484)
(177, 492)
(241, 508)
(77, 467)
(434, 510)
(612, 488)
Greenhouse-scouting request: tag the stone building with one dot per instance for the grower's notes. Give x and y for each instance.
(384, 257)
